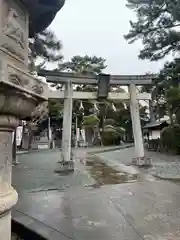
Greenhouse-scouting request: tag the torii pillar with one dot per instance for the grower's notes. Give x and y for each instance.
(66, 163)
(140, 159)
(67, 122)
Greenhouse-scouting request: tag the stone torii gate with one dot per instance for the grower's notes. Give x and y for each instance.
(68, 79)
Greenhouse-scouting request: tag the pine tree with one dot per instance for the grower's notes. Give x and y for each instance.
(157, 26)
(84, 65)
(44, 48)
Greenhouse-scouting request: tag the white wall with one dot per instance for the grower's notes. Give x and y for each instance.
(154, 134)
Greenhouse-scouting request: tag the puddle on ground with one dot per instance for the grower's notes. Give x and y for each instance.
(106, 175)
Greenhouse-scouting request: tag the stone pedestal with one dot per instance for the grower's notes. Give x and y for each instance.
(144, 162)
(8, 196)
(65, 167)
(19, 95)
(15, 103)
(140, 159)
(5, 226)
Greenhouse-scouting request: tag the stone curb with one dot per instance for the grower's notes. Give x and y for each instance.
(166, 178)
(37, 151)
(89, 152)
(160, 171)
(110, 149)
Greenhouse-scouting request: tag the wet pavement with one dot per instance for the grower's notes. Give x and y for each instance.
(164, 166)
(36, 173)
(128, 211)
(76, 207)
(106, 175)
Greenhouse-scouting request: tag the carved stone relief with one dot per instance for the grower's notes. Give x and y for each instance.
(23, 79)
(13, 29)
(17, 78)
(38, 88)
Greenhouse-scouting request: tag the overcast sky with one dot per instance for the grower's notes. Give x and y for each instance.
(96, 27)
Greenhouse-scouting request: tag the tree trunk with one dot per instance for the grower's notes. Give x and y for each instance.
(151, 111)
(97, 137)
(30, 137)
(170, 114)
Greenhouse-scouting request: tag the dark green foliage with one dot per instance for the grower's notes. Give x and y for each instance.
(168, 86)
(55, 109)
(170, 138)
(90, 121)
(55, 112)
(45, 48)
(84, 65)
(165, 91)
(112, 135)
(110, 121)
(173, 97)
(156, 25)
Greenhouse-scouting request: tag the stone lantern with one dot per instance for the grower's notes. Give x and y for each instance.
(20, 92)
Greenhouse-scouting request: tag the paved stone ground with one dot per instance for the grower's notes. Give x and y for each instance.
(36, 173)
(164, 166)
(60, 207)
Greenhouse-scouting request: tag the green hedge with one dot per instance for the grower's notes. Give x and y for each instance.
(169, 141)
(170, 138)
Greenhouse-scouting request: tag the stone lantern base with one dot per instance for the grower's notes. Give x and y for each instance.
(142, 162)
(14, 104)
(65, 167)
(20, 93)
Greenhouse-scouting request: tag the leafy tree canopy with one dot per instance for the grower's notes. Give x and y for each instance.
(84, 65)
(90, 121)
(165, 91)
(55, 109)
(44, 48)
(156, 26)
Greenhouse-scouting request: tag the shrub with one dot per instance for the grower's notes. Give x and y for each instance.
(170, 138)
